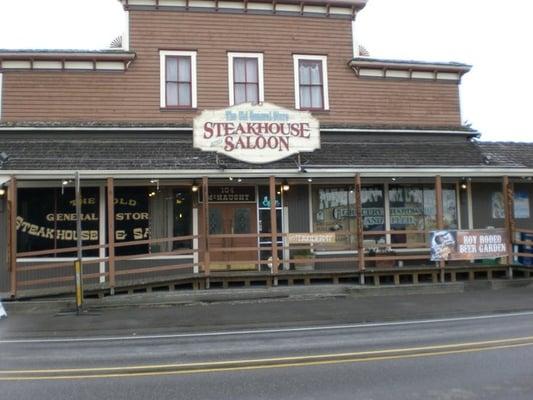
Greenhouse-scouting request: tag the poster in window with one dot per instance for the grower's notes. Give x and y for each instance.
(521, 204)
(498, 209)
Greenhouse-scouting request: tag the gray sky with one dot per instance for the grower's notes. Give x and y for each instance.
(492, 35)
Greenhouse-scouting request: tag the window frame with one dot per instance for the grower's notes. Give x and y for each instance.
(163, 54)
(260, 77)
(325, 87)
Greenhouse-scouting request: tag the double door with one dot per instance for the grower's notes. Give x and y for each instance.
(232, 219)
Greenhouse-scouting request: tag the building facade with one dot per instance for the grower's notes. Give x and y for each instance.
(246, 142)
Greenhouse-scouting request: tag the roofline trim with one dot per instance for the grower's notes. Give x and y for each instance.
(186, 129)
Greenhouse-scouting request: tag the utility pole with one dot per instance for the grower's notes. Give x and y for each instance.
(78, 267)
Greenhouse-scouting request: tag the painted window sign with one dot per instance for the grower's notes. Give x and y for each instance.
(47, 219)
(468, 245)
(257, 134)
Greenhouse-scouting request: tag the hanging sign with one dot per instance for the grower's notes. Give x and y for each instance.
(313, 237)
(230, 194)
(468, 245)
(256, 134)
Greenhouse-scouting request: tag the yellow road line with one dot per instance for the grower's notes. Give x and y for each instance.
(276, 359)
(257, 367)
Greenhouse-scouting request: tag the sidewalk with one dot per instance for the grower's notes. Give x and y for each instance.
(230, 309)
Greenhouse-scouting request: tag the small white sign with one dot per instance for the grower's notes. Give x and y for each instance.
(256, 134)
(2, 311)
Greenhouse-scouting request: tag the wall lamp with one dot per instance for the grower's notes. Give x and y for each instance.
(285, 186)
(194, 187)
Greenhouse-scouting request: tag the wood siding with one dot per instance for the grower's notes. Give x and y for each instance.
(134, 95)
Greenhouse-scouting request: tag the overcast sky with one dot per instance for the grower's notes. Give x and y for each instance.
(493, 35)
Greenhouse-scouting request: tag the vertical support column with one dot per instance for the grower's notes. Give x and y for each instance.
(111, 232)
(509, 219)
(439, 215)
(273, 226)
(359, 225)
(12, 234)
(205, 225)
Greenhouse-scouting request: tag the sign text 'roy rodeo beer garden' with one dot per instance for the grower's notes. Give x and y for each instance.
(256, 134)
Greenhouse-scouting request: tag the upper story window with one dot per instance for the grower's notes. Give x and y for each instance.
(178, 79)
(311, 82)
(245, 76)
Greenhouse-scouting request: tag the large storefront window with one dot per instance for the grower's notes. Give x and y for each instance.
(132, 220)
(334, 211)
(46, 220)
(413, 208)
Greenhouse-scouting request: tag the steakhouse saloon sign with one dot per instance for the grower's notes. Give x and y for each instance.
(256, 134)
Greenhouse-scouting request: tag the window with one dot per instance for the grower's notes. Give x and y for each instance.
(245, 77)
(178, 79)
(413, 208)
(46, 220)
(334, 211)
(311, 82)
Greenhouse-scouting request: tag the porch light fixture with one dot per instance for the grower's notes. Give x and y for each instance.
(309, 180)
(2, 192)
(286, 187)
(151, 194)
(464, 186)
(194, 187)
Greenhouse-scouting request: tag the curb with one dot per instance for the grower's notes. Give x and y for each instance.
(212, 296)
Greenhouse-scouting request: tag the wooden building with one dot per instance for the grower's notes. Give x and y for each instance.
(248, 143)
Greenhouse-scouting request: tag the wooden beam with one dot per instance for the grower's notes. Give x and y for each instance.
(508, 198)
(439, 217)
(359, 223)
(205, 223)
(273, 224)
(111, 232)
(12, 234)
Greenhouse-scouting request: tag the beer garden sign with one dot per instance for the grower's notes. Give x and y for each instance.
(256, 134)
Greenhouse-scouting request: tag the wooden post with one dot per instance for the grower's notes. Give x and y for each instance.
(359, 227)
(509, 219)
(12, 233)
(273, 225)
(440, 217)
(205, 222)
(111, 232)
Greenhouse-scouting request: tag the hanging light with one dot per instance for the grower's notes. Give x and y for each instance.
(286, 187)
(194, 187)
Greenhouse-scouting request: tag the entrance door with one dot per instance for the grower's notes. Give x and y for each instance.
(227, 219)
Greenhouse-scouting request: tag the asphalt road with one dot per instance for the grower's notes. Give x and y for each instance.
(472, 357)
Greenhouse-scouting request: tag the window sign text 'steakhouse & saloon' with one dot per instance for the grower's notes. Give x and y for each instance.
(256, 134)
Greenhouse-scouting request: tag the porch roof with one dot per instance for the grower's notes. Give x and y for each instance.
(174, 151)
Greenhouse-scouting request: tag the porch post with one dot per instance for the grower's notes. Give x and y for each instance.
(273, 224)
(508, 197)
(359, 227)
(12, 234)
(440, 218)
(111, 232)
(205, 224)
